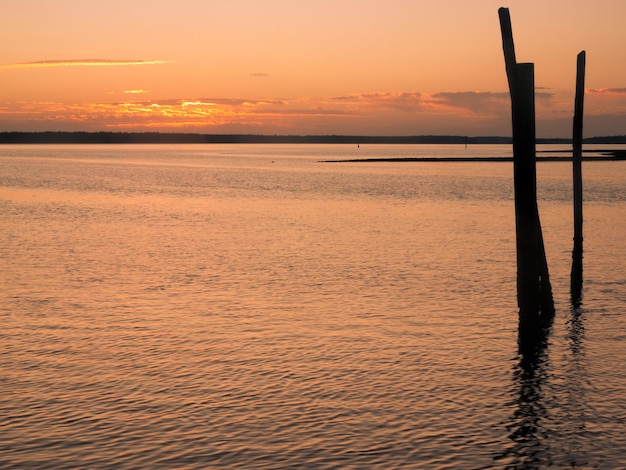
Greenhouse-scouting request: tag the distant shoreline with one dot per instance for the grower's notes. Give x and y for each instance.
(185, 138)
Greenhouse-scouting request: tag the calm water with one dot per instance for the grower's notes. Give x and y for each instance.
(246, 306)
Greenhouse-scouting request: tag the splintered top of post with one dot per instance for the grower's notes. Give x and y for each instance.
(507, 42)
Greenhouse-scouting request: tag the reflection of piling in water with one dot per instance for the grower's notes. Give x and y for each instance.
(577, 143)
(528, 448)
(534, 292)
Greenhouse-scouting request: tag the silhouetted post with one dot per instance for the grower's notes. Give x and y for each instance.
(524, 176)
(534, 293)
(577, 151)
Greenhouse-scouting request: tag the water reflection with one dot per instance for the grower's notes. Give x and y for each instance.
(525, 428)
(576, 374)
(576, 331)
(576, 278)
(543, 431)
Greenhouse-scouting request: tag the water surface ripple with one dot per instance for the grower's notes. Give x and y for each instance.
(246, 306)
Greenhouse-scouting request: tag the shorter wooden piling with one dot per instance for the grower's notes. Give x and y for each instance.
(577, 141)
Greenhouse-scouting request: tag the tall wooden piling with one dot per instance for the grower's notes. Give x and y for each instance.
(534, 293)
(577, 144)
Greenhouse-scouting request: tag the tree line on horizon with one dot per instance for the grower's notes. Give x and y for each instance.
(61, 137)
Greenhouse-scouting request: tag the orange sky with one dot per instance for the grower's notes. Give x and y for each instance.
(393, 67)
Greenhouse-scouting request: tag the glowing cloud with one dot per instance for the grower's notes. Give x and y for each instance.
(82, 63)
(606, 91)
(377, 113)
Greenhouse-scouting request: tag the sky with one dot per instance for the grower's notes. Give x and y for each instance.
(388, 67)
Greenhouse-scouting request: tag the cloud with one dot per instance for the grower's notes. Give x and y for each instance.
(349, 113)
(223, 102)
(486, 105)
(606, 91)
(391, 113)
(477, 102)
(259, 74)
(374, 102)
(605, 101)
(82, 63)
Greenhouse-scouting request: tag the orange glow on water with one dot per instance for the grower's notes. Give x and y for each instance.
(227, 305)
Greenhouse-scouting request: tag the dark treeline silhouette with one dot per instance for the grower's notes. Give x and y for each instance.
(614, 139)
(186, 138)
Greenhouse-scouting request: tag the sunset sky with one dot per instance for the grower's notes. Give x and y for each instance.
(365, 67)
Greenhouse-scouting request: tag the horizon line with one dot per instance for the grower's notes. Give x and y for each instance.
(196, 137)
